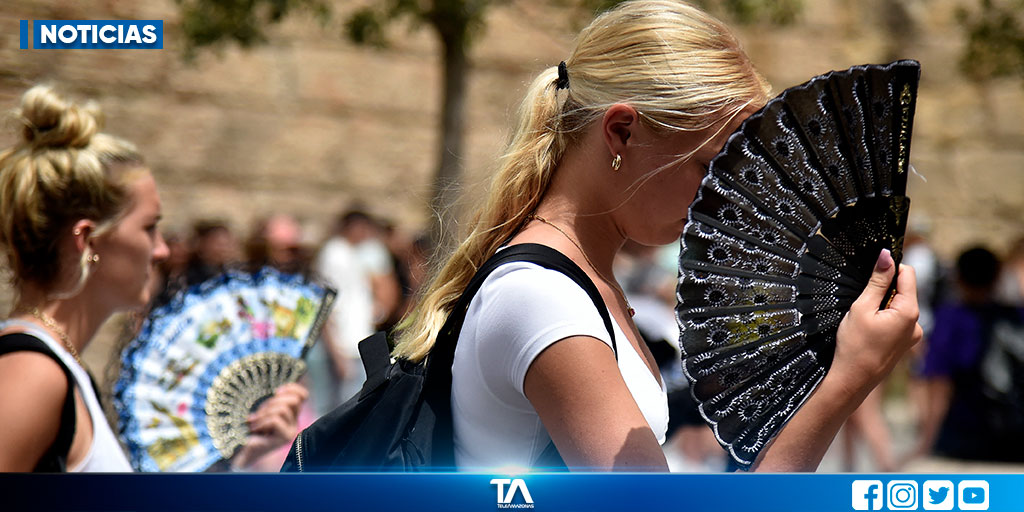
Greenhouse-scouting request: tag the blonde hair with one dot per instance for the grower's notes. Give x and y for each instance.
(681, 69)
(61, 171)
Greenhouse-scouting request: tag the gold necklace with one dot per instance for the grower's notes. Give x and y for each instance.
(610, 282)
(51, 324)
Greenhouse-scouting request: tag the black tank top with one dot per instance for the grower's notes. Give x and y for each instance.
(55, 460)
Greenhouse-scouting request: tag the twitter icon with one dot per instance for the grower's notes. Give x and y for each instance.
(938, 495)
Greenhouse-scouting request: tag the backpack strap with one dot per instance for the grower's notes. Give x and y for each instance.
(375, 354)
(437, 385)
(442, 355)
(55, 458)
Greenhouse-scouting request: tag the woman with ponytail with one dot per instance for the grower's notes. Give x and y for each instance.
(78, 229)
(611, 145)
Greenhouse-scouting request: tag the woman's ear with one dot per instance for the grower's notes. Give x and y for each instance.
(617, 126)
(81, 233)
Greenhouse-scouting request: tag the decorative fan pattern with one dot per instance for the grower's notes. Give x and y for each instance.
(781, 240)
(203, 362)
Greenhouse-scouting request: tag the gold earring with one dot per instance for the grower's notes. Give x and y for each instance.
(95, 258)
(78, 232)
(616, 162)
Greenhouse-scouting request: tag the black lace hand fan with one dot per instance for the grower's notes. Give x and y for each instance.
(782, 238)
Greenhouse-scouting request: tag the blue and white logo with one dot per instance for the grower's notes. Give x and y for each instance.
(937, 495)
(973, 495)
(901, 495)
(93, 34)
(867, 495)
(514, 485)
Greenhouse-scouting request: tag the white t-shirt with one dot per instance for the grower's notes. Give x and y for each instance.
(375, 257)
(352, 315)
(520, 310)
(105, 454)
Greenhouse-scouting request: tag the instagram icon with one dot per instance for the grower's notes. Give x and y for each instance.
(902, 495)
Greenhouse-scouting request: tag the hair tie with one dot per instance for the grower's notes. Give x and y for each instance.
(563, 77)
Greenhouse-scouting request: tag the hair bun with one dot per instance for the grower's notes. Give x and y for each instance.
(52, 121)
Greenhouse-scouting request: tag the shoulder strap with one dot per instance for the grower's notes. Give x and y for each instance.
(55, 459)
(437, 384)
(438, 380)
(443, 353)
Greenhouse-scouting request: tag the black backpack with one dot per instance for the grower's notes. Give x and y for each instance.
(401, 420)
(1002, 376)
(985, 420)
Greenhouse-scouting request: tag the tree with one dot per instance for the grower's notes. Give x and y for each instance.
(994, 47)
(454, 22)
(209, 22)
(995, 39)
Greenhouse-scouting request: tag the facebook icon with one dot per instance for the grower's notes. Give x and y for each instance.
(867, 495)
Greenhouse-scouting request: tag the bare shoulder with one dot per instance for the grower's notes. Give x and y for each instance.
(33, 388)
(32, 373)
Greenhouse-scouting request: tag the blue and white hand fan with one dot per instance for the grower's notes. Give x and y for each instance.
(204, 361)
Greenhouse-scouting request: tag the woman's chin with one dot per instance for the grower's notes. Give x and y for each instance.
(661, 239)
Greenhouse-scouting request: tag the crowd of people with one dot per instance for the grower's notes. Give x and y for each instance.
(606, 156)
(964, 384)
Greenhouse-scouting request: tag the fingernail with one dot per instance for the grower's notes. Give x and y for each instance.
(884, 260)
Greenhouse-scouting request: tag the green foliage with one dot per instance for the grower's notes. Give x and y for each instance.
(995, 39)
(454, 20)
(776, 12)
(245, 22)
(211, 22)
(366, 26)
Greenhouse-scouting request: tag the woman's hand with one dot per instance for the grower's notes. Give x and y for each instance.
(869, 343)
(273, 425)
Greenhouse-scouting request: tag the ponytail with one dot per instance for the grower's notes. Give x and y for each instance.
(680, 68)
(525, 172)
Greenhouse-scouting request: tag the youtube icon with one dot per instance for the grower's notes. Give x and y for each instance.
(973, 495)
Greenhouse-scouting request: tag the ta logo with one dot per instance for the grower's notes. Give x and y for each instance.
(514, 485)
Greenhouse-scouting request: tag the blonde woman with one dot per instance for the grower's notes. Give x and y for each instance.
(78, 229)
(612, 145)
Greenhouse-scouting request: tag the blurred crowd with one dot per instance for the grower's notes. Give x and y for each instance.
(961, 390)
(964, 385)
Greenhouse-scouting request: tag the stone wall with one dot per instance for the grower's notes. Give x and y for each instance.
(308, 123)
(304, 125)
(968, 138)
